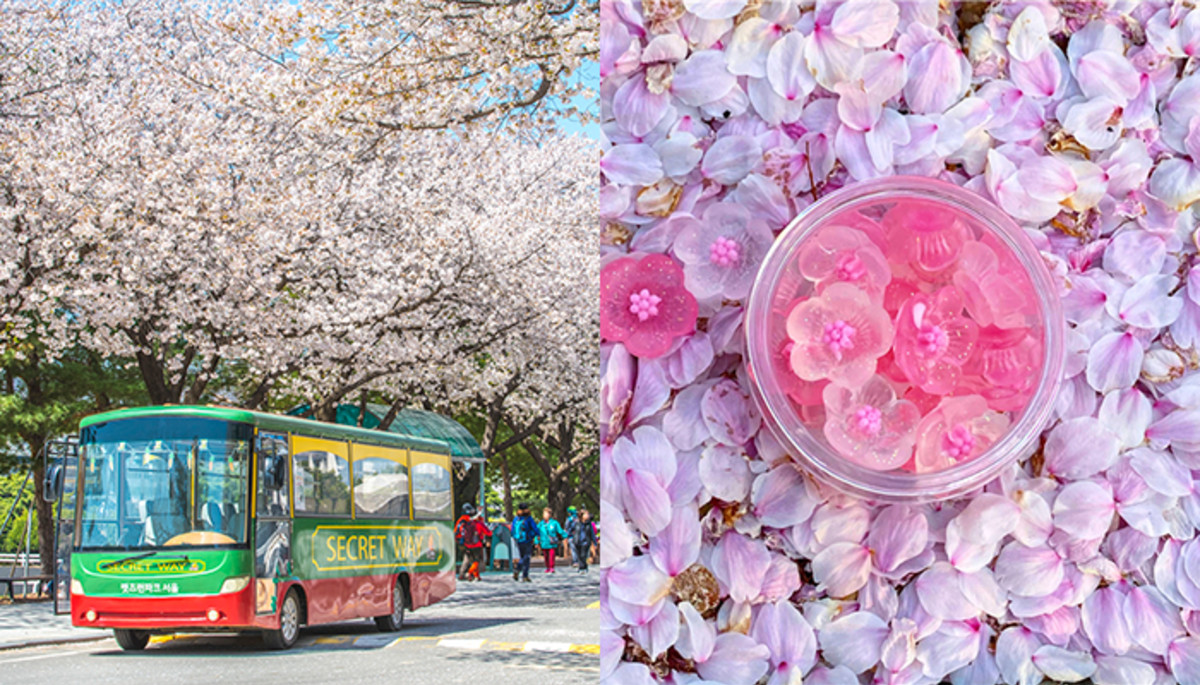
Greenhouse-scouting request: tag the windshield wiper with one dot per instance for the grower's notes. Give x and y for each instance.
(126, 560)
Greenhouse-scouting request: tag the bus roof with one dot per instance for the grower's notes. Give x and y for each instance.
(274, 422)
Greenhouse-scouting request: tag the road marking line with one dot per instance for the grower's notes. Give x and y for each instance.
(506, 646)
(584, 649)
(38, 656)
(594, 605)
(333, 640)
(546, 646)
(461, 644)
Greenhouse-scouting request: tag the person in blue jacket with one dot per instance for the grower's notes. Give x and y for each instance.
(550, 536)
(525, 533)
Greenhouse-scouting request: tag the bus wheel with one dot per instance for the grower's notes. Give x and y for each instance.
(131, 640)
(395, 620)
(289, 624)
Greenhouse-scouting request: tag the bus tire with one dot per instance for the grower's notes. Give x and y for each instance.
(395, 620)
(289, 623)
(131, 640)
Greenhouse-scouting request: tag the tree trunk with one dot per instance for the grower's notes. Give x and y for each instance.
(506, 481)
(44, 509)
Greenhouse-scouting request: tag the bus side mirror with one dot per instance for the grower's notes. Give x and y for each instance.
(52, 483)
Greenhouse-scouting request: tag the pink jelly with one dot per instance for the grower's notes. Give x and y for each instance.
(904, 339)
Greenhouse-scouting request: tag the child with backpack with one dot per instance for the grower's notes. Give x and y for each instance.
(524, 533)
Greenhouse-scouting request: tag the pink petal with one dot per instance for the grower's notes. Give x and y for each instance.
(940, 594)
(865, 23)
(898, 534)
(1114, 362)
(730, 159)
(830, 59)
(1096, 123)
(647, 450)
(725, 473)
(749, 46)
(727, 412)
(702, 78)
(1063, 665)
(629, 673)
(1176, 182)
(952, 646)
(1180, 426)
(1028, 36)
(1014, 649)
(883, 74)
(714, 9)
(1122, 670)
(1040, 76)
(660, 633)
(982, 590)
(853, 641)
(646, 501)
(1153, 620)
(736, 659)
(1183, 658)
(637, 581)
(740, 564)
(697, 637)
(636, 109)
(1149, 303)
(987, 518)
(1028, 571)
(612, 648)
(1084, 510)
(677, 546)
(631, 164)
(1162, 472)
(856, 108)
(1107, 74)
(1126, 413)
(650, 393)
(781, 498)
(787, 71)
(788, 637)
(842, 568)
(937, 79)
(1104, 621)
(1080, 447)
(852, 151)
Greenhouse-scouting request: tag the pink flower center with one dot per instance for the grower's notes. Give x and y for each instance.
(724, 252)
(644, 304)
(868, 419)
(933, 339)
(839, 336)
(849, 267)
(958, 442)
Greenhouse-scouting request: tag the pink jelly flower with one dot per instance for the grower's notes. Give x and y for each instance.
(927, 236)
(934, 340)
(644, 304)
(1005, 366)
(839, 336)
(838, 254)
(958, 430)
(722, 250)
(869, 426)
(996, 290)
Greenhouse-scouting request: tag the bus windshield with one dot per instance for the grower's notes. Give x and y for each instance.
(163, 481)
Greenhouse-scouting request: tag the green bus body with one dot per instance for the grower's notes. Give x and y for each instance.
(228, 565)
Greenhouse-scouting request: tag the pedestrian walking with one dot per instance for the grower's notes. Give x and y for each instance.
(502, 556)
(525, 533)
(582, 537)
(569, 526)
(472, 532)
(460, 529)
(550, 535)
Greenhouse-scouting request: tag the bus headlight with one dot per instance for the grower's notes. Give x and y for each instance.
(235, 584)
(90, 615)
(76, 587)
(214, 615)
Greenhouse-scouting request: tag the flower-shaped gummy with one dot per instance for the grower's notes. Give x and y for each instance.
(839, 336)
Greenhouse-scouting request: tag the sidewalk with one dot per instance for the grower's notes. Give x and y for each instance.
(28, 624)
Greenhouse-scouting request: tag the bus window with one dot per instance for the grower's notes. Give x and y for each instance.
(321, 475)
(432, 497)
(380, 482)
(272, 490)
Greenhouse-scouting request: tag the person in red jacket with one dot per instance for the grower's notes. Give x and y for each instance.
(475, 534)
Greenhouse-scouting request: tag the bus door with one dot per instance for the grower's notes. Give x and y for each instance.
(273, 519)
(60, 459)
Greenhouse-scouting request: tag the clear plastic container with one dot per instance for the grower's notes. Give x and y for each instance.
(934, 236)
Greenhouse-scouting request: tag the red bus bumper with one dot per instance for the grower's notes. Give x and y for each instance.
(233, 610)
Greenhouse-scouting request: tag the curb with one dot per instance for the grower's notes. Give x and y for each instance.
(9, 646)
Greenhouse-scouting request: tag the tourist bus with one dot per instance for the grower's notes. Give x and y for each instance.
(196, 519)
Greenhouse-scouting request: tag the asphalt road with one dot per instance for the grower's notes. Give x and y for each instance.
(492, 632)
